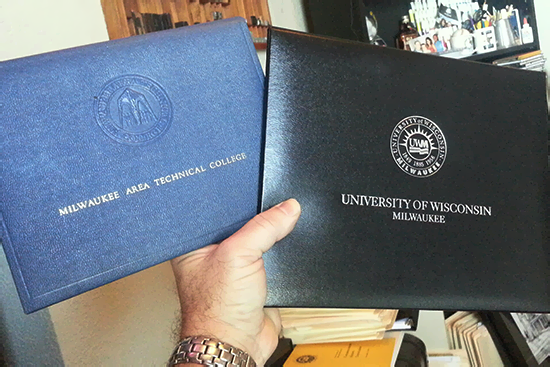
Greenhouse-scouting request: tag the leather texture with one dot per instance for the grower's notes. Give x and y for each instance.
(83, 123)
(332, 106)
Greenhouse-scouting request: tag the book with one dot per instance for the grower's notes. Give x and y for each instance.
(422, 186)
(167, 21)
(120, 155)
(353, 354)
(157, 22)
(148, 22)
(138, 22)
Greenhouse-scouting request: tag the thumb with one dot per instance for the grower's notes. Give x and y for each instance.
(262, 231)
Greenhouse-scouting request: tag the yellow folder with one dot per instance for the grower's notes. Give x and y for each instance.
(368, 353)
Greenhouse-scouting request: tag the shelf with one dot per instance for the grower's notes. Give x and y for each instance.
(347, 20)
(120, 14)
(505, 52)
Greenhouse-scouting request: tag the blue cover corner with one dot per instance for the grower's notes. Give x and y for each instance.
(120, 155)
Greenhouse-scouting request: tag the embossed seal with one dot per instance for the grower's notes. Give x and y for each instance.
(133, 109)
(418, 146)
(306, 359)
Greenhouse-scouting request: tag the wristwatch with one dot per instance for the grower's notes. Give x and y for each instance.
(209, 352)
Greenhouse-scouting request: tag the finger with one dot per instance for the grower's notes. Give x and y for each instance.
(266, 228)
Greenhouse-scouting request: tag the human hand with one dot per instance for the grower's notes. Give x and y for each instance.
(222, 288)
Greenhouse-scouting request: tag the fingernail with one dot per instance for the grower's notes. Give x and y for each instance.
(290, 207)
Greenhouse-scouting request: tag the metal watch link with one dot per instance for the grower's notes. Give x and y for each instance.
(209, 352)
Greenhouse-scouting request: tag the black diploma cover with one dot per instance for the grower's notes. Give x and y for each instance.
(421, 179)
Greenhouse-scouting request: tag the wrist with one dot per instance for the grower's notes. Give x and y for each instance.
(208, 351)
(221, 331)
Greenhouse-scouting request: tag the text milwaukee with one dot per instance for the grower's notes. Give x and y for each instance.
(89, 203)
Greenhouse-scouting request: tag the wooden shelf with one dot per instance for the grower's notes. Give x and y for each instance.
(118, 14)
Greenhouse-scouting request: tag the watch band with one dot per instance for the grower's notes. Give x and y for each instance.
(209, 352)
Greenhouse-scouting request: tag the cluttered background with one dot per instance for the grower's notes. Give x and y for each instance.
(494, 31)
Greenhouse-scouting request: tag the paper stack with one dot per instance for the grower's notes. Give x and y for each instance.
(534, 61)
(466, 331)
(308, 325)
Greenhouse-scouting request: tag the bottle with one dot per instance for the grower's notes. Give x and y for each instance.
(407, 32)
(527, 32)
